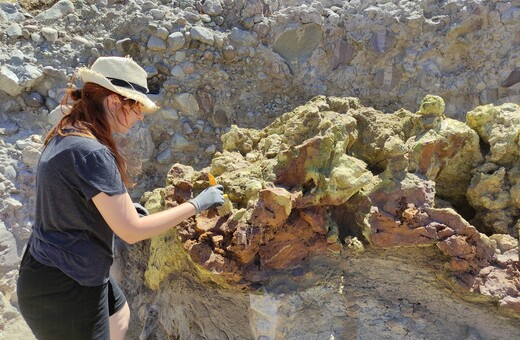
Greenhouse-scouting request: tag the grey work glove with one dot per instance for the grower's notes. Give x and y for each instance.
(141, 211)
(211, 197)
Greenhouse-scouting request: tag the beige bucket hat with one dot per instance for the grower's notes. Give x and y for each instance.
(121, 75)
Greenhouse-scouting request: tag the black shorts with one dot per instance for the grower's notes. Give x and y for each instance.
(57, 307)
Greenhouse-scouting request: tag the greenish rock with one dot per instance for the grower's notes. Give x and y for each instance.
(432, 106)
(496, 197)
(343, 104)
(446, 155)
(375, 128)
(310, 120)
(314, 159)
(494, 192)
(241, 140)
(298, 42)
(180, 175)
(514, 191)
(155, 201)
(499, 127)
(311, 142)
(481, 118)
(489, 194)
(271, 145)
(445, 151)
(242, 179)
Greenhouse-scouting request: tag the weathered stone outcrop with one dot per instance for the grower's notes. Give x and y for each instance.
(495, 187)
(326, 176)
(426, 143)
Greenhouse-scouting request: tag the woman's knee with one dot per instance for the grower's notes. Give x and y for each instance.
(119, 323)
(122, 316)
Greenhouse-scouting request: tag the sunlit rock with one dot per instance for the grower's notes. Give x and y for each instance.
(273, 208)
(441, 149)
(241, 140)
(334, 177)
(497, 127)
(494, 189)
(446, 154)
(432, 106)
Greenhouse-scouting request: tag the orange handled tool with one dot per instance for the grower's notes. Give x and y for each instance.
(212, 180)
(227, 207)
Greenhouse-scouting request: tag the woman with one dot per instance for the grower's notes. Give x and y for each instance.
(64, 287)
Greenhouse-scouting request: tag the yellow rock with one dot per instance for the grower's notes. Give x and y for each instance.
(432, 106)
(167, 256)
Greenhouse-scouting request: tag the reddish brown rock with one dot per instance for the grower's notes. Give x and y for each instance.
(273, 208)
(208, 221)
(245, 243)
(302, 234)
(496, 282)
(388, 232)
(293, 243)
(281, 254)
(316, 217)
(200, 252)
(180, 176)
(288, 251)
(294, 172)
(206, 101)
(460, 252)
(178, 194)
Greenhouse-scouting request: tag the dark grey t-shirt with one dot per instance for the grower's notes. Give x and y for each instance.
(69, 232)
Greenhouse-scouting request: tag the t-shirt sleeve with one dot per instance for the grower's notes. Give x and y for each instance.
(98, 172)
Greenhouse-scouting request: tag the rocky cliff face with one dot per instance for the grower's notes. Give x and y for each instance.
(332, 178)
(323, 196)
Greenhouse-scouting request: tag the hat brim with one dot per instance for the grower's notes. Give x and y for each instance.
(89, 76)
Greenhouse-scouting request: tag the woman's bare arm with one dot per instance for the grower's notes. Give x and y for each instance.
(120, 214)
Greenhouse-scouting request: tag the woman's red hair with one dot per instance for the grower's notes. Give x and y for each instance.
(88, 117)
